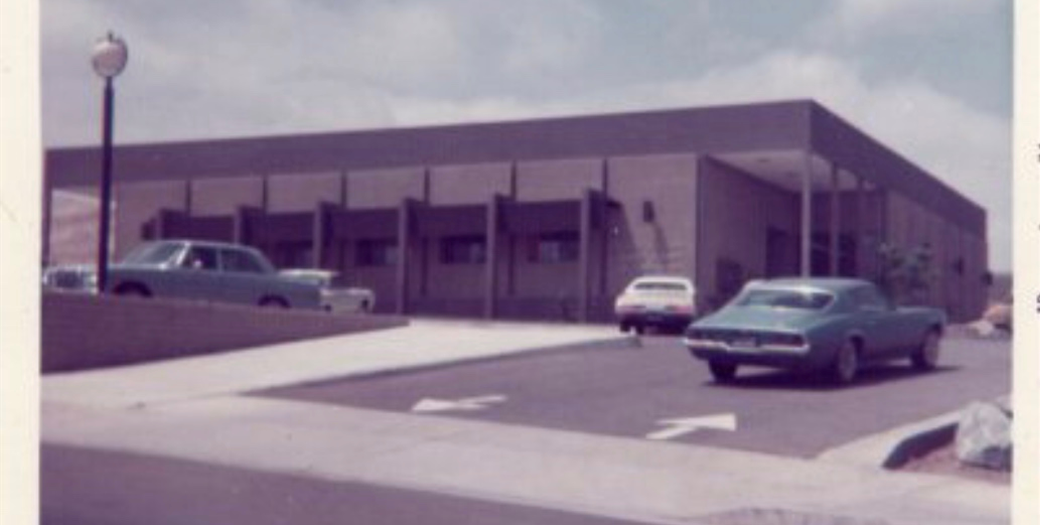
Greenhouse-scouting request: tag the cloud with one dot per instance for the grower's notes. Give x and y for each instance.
(859, 20)
(262, 67)
(967, 148)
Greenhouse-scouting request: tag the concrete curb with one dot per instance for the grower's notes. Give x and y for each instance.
(920, 444)
(585, 346)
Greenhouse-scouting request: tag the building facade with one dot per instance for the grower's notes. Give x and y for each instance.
(551, 218)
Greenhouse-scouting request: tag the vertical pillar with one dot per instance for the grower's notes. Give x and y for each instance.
(806, 261)
(492, 242)
(602, 211)
(320, 233)
(188, 189)
(241, 225)
(510, 240)
(860, 229)
(404, 239)
(45, 225)
(835, 221)
(584, 254)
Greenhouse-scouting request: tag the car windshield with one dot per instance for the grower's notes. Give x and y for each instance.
(659, 286)
(154, 253)
(802, 299)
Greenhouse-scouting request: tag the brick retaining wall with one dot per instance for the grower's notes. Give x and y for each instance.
(81, 331)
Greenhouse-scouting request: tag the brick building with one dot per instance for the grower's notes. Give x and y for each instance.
(550, 218)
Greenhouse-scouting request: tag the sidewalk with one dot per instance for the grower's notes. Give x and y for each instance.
(192, 412)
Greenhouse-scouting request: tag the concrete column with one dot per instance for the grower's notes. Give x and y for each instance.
(603, 210)
(492, 242)
(510, 240)
(584, 255)
(835, 219)
(189, 188)
(240, 230)
(404, 238)
(860, 232)
(45, 223)
(806, 257)
(320, 233)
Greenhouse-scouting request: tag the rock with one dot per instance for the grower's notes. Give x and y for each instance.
(982, 328)
(999, 315)
(984, 436)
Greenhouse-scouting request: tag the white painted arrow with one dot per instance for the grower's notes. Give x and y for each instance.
(468, 403)
(678, 427)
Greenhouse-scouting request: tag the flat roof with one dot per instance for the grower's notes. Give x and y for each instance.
(797, 125)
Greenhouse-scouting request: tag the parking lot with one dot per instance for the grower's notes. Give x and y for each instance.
(650, 388)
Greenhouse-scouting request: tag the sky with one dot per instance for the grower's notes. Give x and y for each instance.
(931, 79)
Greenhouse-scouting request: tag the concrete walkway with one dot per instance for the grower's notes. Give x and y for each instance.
(190, 409)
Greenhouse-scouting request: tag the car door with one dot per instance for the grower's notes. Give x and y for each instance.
(197, 276)
(246, 278)
(875, 315)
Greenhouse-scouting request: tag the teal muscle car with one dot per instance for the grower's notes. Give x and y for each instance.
(212, 271)
(814, 324)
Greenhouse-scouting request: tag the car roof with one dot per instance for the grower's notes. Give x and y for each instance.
(828, 284)
(206, 244)
(662, 279)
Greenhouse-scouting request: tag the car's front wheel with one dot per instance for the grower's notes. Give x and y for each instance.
(926, 357)
(132, 290)
(722, 372)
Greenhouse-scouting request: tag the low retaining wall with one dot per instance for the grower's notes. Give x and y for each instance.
(81, 331)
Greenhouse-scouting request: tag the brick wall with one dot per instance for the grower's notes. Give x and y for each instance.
(82, 331)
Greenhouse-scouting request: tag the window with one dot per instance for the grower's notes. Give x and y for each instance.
(804, 300)
(463, 250)
(376, 252)
(240, 261)
(153, 253)
(868, 298)
(199, 258)
(554, 247)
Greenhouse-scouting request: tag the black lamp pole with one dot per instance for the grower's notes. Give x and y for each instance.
(109, 59)
(106, 187)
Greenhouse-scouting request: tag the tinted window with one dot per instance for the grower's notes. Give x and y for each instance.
(153, 253)
(806, 300)
(240, 261)
(377, 252)
(554, 248)
(463, 250)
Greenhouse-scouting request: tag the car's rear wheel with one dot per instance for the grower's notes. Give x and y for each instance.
(926, 357)
(846, 363)
(273, 302)
(722, 372)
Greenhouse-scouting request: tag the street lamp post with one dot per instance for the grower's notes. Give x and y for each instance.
(109, 59)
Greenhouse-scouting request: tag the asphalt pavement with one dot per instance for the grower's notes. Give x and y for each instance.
(621, 389)
(194, 410)
(204, 493)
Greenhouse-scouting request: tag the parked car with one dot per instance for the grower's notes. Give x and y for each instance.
(655, 301)
(70, 278)
(335, 298)
(210, 271)
(826, 324)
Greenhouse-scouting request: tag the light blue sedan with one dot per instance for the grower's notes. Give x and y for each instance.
(814, 324)
(210, 271)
